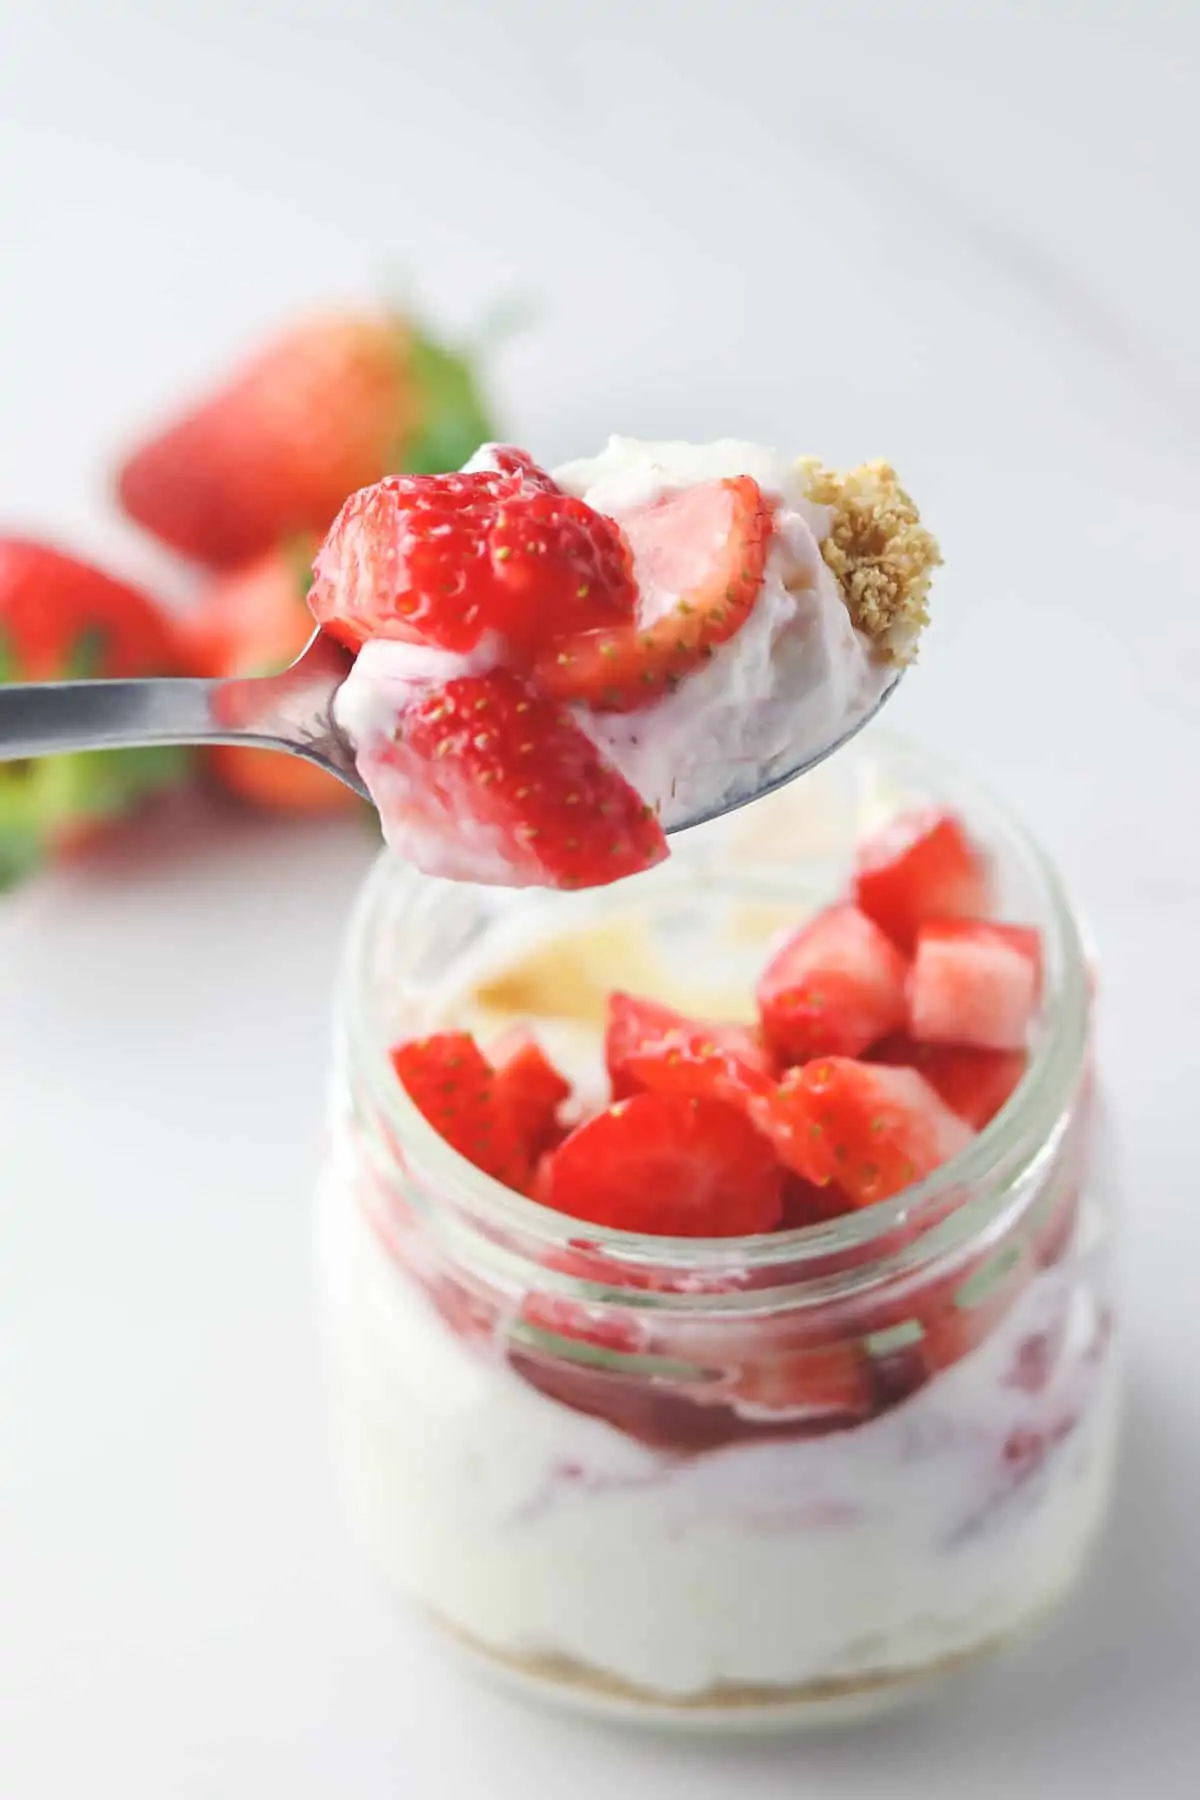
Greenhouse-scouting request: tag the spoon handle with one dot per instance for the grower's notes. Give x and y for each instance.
(49, 718)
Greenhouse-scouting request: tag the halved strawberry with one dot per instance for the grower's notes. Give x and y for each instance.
(450, 1081)
(529, 1086)
(921, 866)
(974, 983)
(484, 780)
(833, 988)
(870, 1130)
(669, 1164)
(443, 559)
(698, 558)
(648, 1045)
(974, 1083)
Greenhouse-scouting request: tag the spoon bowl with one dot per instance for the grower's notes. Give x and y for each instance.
(292, 712)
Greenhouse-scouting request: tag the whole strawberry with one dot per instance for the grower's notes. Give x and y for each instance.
(62, 619)
(255, 621)
(329, 407)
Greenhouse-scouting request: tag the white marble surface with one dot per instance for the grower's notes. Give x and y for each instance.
(961, 235)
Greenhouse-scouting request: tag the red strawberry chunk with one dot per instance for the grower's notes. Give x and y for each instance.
(558, 567)
(648, 1045)
(451, 1082)
(804, 1203)
(974, 983)
(833, 988)
(829, 1383)
(485, 780)
(974, 1083)
(443, 559)
(870, 1130)
(698, 558)
(669, 1164)
(529, 1087)
(922, 866)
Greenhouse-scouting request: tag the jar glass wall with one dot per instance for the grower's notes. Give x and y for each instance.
(743, 1480)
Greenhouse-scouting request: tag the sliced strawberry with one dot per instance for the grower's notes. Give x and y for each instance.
(828, 1383)
(450, 1081)
(484, 780)
(668, 1164)
(698, 558)
(833, 988)
(870, 1130)
(974, 983)
(974, 1083)
(442, 559)
(530, 1087)
(922, 866)
(648, 1045)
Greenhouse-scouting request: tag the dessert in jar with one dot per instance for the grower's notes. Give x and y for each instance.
(714, 1272)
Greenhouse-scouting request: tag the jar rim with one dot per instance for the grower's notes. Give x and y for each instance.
(996, 1159)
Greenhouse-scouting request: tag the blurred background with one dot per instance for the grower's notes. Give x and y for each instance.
(960, 237)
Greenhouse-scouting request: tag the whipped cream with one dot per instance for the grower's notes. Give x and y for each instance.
(793, 680)
(548, 1538)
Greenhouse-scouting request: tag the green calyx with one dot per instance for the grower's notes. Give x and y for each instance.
(454, 416)
(40, 801)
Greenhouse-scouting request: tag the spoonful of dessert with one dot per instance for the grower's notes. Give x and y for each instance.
(536, 677)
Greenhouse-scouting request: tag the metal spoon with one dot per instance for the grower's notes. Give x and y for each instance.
(292, 712)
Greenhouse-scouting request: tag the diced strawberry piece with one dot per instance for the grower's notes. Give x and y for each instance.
(871, 1130)
(442, 559)
(805, 1203)
(921, 866)
(668, 1164)
(529, 1086)
(833, 988)
(484, 780)
(698, 557)
(450, 1081)
(558, 567)
(651, 1046)
(830, 1382)
(974, 983)
(974, 1083)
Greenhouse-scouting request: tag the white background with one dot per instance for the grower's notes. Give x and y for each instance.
(963, 236)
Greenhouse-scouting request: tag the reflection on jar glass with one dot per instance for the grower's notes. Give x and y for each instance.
(743, 1480)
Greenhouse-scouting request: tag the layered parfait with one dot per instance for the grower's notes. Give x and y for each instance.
(553, 670)
(716, 1293)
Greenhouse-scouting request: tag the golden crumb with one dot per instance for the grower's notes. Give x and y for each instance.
(879, 550)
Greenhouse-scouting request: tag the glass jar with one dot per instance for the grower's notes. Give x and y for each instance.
(732, 1480)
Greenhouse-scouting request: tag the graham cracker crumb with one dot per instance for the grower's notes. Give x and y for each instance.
(881, 554)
